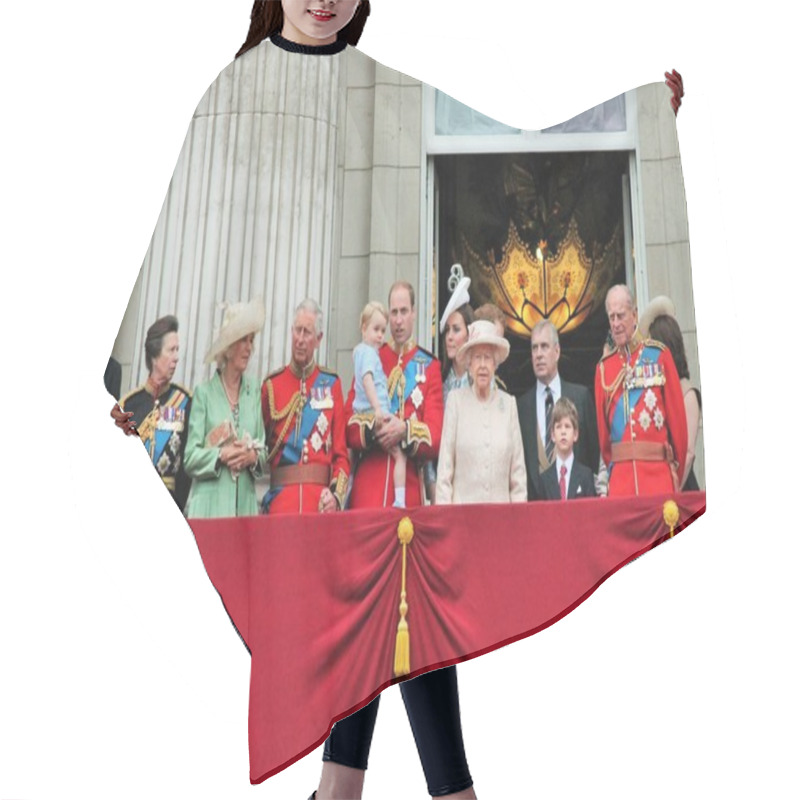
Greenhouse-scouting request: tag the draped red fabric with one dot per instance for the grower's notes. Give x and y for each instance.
(316, 597)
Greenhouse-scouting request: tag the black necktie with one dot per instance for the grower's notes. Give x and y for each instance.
(548, 421)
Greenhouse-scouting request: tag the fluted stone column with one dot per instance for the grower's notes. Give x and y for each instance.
(381, 169)
(669, 265)
(249, 210)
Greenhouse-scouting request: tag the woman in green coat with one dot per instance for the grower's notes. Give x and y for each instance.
(225, 445)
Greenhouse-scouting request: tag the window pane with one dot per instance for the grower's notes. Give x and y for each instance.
(605, 118)
(456, 119)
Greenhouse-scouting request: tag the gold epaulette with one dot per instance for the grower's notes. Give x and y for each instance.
(277, 414)
(327, 370)
(183, 389)
(613, 351)
(274, 374)
(655, 343)
(130, 394)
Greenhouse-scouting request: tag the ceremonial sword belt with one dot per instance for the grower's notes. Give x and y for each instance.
(300, 473)
(641, 451)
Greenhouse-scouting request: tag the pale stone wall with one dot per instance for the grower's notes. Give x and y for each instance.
(247, 213)
(669, 266)
(380, 170)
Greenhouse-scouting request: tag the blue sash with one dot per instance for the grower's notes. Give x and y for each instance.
(292, 448)
(169, 412)
(649, 355)
(415, 368)
(293, 445)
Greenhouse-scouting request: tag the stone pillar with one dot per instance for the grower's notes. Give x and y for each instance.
(669, 266)
(380, 174)
(249, 211)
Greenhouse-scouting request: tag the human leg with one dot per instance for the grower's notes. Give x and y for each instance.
(399, 477)
(432, 705)
(346, 754)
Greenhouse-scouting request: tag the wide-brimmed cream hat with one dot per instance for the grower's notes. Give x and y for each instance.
(483, 331)
(657, 307)
(238, 320)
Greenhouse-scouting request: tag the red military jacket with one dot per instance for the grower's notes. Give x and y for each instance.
(414, 379)
(304, 423)
(638, 398)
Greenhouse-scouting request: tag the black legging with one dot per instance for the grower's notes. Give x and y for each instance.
(432, 706)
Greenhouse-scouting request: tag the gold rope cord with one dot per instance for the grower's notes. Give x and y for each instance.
(610, 391)
(287, 412)
(147, 428)
(402, 647)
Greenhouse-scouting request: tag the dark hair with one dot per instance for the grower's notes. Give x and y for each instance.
(154, 341)
(266, 19)
(468, 315)
(665, 329)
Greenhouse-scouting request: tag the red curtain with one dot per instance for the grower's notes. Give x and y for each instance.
(316, 598)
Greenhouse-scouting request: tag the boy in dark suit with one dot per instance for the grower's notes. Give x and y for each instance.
(566, 478)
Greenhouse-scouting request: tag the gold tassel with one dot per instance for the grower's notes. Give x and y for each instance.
(402, 654)
(402, 645)
(671, 516)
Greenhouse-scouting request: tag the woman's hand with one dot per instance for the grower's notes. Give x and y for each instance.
(238, 456)
(123, 420)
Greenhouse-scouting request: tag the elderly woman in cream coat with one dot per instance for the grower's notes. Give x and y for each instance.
(481, 459)
(225, 444)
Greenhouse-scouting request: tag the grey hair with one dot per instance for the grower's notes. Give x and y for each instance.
(495, 354)
(626, 291)
(546, 325)
(311, 307)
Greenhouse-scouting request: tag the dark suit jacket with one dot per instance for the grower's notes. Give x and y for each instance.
(581, 482)
(587, 450)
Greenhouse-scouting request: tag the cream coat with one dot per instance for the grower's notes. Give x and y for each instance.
(481, 459)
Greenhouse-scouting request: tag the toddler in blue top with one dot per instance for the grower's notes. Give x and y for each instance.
(371, 392)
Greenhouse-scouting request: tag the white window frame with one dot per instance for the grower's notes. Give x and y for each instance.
(525, 141)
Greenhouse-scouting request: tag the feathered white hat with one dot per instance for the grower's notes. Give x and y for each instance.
(238, 320)
(459, 296)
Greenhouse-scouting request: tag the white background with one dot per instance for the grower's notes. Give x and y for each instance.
(120, 674)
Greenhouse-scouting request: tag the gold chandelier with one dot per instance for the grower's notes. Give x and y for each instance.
(563, 287)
